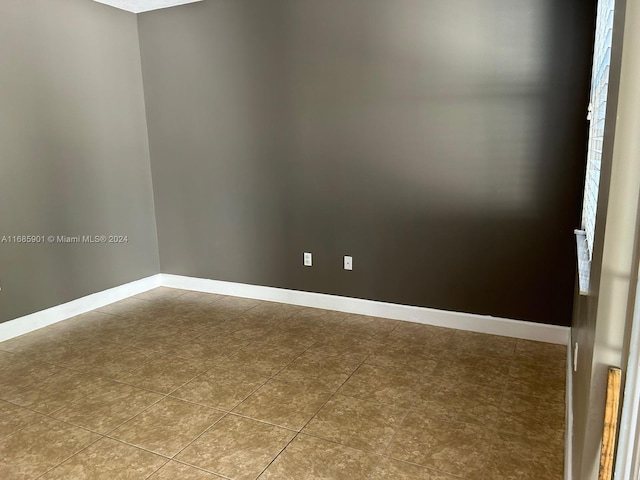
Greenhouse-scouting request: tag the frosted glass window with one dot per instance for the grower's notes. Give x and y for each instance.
(597, 112)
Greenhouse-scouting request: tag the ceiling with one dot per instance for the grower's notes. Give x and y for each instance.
(139, 6)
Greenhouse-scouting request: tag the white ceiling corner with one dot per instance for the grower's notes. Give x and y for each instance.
(139, 6)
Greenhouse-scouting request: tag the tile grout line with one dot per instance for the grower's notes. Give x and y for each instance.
(182, 462)
(309, 421)
(389, 442)
(408, 411)
(75, 453)
(336, 392)
(227, 413)
(159, 354)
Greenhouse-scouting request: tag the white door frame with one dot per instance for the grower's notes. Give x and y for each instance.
(627, 456)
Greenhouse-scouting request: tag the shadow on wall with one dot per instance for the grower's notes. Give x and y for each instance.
(441, 145)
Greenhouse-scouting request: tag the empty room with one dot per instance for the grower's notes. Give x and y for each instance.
(319, 239)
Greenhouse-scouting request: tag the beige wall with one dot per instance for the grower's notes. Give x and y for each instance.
(603, 329)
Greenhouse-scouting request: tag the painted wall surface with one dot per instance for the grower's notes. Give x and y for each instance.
(441, 144)
(74, 156)
(602, 320)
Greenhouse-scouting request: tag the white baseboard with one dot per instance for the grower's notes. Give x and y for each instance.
(43, 318)
(442, 318)
(429, 316)
(568, 422)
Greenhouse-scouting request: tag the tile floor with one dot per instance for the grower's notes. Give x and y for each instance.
(175, 385)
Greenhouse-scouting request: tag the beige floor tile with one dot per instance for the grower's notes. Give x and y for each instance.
(56, 391)
(209, 348)
(221, 388)
(108, 407)
(477, 370)
(261, 359)
(241, 330)
(314, 365)
(290, 405)
(164, 374)
(302, 321)
(388, 468)
(156, 314)
(532, 417)
(319, 317)
(196, 320)
(297, 338)
(368, 325)
(537, 380)
(161, 293)
(515, 458)
(234, 305)
(95, 331)
(158, 340)
(31, 342)
(274, 309)
(460, 401)
(253, 319)
(13, 418)
(481, 407)
(345, 340)
(83, 321)
(451, 447)
(349, 349)
(328, 359)
(352, 339)
(180, 471)
(40, 446)
(203, 324)
(94, 321)
(168, 426)
(107, 460)
(164, 313)
(295, 327)
(383, 385)
(540, 353)
(316, 459)
(356, 423)
(205, 330)
(199, 298)
(434, 338)
(481, 344)
(110, 362)
(67, 349)
(129, 306)
(409, 357)
(296, 373)
(237, 448)
(192, 316)
(18, 370)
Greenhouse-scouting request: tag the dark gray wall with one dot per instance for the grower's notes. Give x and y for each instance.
(74, 153)
(441, 144)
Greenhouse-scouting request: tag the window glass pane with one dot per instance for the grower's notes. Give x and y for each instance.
(597, 111)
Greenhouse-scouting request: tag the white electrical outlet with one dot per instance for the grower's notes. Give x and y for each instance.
(308, 259)
(575, 357)
(348, 262)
